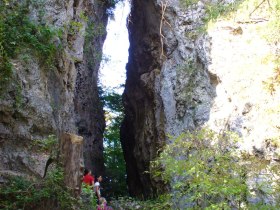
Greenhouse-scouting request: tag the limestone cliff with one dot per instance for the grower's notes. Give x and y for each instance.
(43, 100)
(142, 129)
(194, 64)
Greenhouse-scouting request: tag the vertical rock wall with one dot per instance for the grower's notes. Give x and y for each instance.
(142, 127)
(168, 88)
(201, 74)
(90, 116)
(59, 99)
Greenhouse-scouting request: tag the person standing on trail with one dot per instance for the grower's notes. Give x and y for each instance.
(97, 188)
(88, 178)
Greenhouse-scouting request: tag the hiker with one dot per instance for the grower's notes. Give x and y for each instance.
(97, 188)
(103, 205)
(88, 178)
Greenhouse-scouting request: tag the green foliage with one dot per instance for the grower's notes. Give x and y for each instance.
(21, 193)
(266, 188)
(115, 185)
(75, 27)
(45, 145)
(216, 9)
(84, 17)
(89, 199)
(113, 102)
(213, 11)
(17, 32)
(128, 203)
(188, 66)
(94, 31)
(18, 97)
(188, 3)
(203, 169)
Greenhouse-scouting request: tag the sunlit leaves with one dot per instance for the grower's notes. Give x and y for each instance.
(202, 167)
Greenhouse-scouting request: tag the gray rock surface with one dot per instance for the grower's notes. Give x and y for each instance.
(43, 101)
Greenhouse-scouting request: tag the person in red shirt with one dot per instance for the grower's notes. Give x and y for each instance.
(88, 178)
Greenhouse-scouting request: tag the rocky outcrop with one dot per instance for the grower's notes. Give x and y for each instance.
(43, 100)
(142, 129)
(90, 116)
(168, 88)
(189, 68)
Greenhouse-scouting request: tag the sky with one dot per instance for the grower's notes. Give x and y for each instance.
(115, 49)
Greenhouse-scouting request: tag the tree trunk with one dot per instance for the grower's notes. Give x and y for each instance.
(71, 157)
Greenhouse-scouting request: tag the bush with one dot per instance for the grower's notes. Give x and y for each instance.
(203, 171)
(22, 193)
(89, 199)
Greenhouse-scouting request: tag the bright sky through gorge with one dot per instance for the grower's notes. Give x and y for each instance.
(115, 49)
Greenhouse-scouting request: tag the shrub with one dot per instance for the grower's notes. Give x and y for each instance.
(89, 199)
(203, 171)
(22, 193)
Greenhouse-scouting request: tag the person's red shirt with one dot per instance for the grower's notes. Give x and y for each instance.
(88, 179)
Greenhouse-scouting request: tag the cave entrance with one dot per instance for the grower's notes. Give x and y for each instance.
(112, 78)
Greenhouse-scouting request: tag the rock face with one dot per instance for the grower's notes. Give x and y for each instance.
(90, 115)
(62, 99)
(142, 129)
(189, 69)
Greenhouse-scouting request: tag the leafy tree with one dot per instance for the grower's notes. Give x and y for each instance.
(114, 184)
